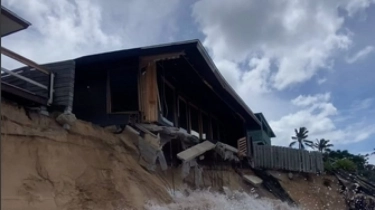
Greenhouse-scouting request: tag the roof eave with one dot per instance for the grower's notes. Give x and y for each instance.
(268, 125)
(17, 19)
(223, 82)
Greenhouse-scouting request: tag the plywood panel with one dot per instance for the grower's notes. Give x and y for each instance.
(148, 91)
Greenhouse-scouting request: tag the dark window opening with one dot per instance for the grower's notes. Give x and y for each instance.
(123, 90)
(194, 120)
(182, 115)
(215, 129)
(168, 101)
(170, 150)
(222, 133)
(205, 127)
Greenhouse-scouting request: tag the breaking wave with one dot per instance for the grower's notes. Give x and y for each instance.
(205, 200)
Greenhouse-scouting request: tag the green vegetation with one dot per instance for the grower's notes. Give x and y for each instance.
(336, 159)
(323, 145)
(343, 160)
(301, 138)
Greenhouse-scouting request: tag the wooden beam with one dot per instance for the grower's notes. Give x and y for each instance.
(23, 60)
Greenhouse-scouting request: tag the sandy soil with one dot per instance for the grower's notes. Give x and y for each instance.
(45, 167)
(311, 193)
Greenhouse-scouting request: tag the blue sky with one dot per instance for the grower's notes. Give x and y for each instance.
(300, 62)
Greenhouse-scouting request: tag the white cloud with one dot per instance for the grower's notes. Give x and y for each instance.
(360, 55)
(317, 113)
(371, 158)
(355, 6)
(321, 81)
(310, 100)
(272, 46)
(68, 29)
(289, 33)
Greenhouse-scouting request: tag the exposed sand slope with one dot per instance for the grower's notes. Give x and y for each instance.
(46, 167)
(312, 194)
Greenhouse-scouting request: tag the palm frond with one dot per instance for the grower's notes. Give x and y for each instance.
(292, 143)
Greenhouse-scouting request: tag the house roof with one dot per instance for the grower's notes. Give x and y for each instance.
(261, 117)
(11, 23)
(193, 50)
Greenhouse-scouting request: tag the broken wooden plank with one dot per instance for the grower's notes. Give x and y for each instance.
(195, 151)
(252, 179)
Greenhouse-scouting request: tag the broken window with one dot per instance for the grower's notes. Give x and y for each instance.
(122, 90)
(194, 120)
(205, 127)
(182, 114)
(168, 101)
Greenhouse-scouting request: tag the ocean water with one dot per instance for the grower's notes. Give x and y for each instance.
(207, 200)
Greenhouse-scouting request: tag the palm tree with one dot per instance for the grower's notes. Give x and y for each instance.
(301, 138)
(323, 145)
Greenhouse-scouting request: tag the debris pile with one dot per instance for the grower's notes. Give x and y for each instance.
(358, 192)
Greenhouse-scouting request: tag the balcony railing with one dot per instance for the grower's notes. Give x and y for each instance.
(50, 75)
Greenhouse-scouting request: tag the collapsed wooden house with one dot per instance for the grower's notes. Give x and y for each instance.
(165, 92)
(173, 85)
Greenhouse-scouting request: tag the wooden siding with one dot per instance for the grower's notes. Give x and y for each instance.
(63, 85)
(284, 158)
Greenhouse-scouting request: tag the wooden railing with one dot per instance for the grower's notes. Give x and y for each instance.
(32, 64)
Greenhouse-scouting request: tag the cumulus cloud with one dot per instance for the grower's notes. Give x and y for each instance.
(272, 46)
(360, 55)
(316, 112)
(290, 33)
(68, 29)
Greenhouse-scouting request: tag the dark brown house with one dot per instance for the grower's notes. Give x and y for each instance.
(174, 84)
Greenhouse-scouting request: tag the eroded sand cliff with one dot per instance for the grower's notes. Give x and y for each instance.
(45, 167)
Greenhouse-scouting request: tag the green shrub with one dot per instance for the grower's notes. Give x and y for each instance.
(328, 166)
(344, 164)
